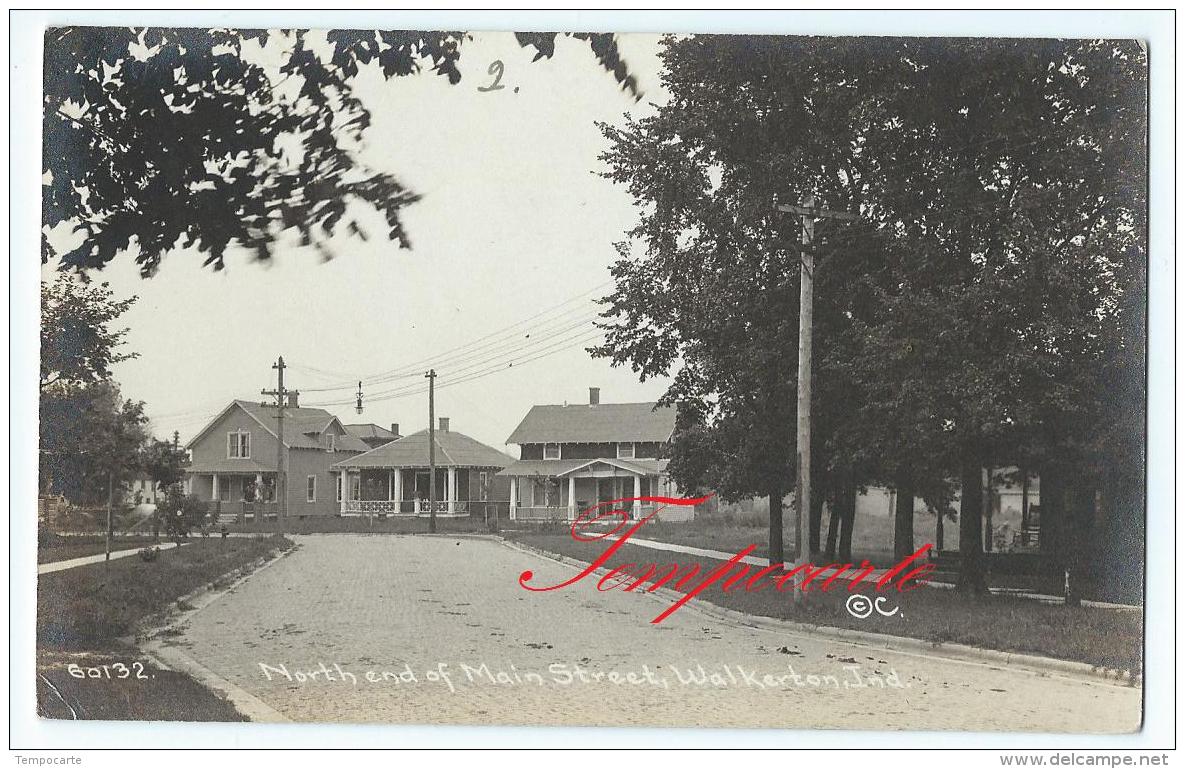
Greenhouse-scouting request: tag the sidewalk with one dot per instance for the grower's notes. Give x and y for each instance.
(720, 555)
(49, 568)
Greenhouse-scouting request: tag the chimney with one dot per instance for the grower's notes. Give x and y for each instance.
(594, 396)
(395, 429)
(444, 424)
(293, 397)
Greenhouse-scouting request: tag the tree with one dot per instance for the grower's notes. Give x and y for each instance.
(159, 137)
(963, 320)
(181, 513)
(91, 442)
(164, 462)
(78, 346)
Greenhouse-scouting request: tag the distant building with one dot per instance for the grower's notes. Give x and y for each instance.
(575, 456)
(373, 435)
(142, 490)
(394, 478)
(233, 460)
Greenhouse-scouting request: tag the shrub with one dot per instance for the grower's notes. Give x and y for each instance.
(181, 513)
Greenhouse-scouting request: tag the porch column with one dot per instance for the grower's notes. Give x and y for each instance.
(397, 488)
(390, 485)
(637, 513)
(513, 496)
(345, 481)
(452, 489)
(258, 488)
(572, 497)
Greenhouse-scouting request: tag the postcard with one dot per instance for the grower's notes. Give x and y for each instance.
(591, 379)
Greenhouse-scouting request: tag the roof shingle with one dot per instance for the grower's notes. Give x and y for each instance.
(299, 423)
(453, 449)
(602, 423)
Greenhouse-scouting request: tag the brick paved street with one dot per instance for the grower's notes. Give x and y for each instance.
(394, 608)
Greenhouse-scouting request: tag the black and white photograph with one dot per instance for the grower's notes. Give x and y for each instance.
(794, 382)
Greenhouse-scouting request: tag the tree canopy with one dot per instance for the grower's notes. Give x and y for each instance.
(157, 138)
(964, 320)
(78, 345)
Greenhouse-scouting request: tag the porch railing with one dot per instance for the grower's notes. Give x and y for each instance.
(241, 511)
(565, 513)
(407, 507)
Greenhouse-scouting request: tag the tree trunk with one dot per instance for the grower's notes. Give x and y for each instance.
(819, 481)
(903, 518)
(848, 519)
(1079, 520)
(1052, 514)
(1024, 501)
(971, 576)
(110, 520)
(833, 526)
(777, 551)
(816, 521)
(989, 524)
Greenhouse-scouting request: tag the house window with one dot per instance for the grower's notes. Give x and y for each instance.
(483, 484)
(331, 442)
(551, 451)
(311, 489)
(238, 445)
(625, 451)
(340, 481)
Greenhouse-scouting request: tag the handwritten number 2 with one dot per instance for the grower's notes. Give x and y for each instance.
(496, 69)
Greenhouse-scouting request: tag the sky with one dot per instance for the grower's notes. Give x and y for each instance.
(515, 231)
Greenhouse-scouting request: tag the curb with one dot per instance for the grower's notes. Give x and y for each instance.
(902, 644)
(146, 637)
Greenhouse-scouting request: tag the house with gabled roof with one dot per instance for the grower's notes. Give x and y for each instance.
(575, 456)
(395, 479)
(373, 435)
(234, 459)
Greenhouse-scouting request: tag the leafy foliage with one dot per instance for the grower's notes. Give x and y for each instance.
(89, 436)
(978, 311)
(78, 347)
(180, 512)
(157, 138)
(163, 462)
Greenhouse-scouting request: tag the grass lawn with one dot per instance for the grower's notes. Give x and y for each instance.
(872, 536)
(66, 548)
(83, 612)
(872, 540)
(332, 524)
(1100, 637)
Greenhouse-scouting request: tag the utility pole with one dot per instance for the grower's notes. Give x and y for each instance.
(281, 395)
(806, 323)
(431, 376)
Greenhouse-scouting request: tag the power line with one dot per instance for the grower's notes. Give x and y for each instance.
(415, 367)
(546, 351)
(509, 348)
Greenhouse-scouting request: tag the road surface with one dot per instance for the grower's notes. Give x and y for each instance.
(417, 629)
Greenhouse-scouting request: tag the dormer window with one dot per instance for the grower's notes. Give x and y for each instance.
(238, 445)
(625, 451)
(551, 451)
(330, 442)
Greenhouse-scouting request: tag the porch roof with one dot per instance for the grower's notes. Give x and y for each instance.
(558, 468)
(453, 449)
(230, 466)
